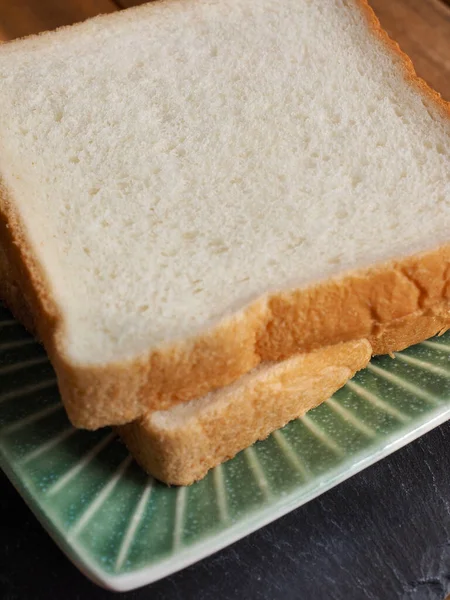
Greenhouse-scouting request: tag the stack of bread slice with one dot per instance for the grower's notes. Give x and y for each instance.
(214, 212)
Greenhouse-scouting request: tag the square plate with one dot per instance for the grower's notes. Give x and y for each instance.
(124, 530)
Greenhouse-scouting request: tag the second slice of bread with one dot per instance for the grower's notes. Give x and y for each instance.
(178, 446)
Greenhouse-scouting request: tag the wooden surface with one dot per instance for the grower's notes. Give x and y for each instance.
(422, 27)
(24, 17)
(129, 3)
(385, 534)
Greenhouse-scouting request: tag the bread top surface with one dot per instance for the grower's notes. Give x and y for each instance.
(173, 163)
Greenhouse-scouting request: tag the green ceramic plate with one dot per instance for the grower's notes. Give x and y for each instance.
(124, 530)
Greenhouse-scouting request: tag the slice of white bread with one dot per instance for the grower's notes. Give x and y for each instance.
(179, 445)
(188, 189)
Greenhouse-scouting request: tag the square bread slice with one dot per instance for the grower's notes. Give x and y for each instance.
(180, 445)
(188, 189)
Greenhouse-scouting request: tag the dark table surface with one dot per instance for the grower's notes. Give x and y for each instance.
(382, 535)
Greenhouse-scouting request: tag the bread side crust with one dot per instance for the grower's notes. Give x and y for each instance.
(393, 305)
(249, 411)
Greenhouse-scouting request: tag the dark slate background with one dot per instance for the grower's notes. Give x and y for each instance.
(382, 535)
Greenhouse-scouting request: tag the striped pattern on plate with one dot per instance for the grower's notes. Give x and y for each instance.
(124, 530)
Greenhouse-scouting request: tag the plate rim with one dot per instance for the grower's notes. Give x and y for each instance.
(214, 543)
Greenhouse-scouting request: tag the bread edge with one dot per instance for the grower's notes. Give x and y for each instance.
(392, 305)
(251, 410)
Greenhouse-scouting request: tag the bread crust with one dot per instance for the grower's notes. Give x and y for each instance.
(393, 305)
(259, 403)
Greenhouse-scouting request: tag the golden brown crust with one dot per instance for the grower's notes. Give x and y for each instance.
(10, 291)
(34, 305)
(392, 305)
(250, 411)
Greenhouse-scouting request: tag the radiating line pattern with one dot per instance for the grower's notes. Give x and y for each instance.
(437, 346)
(402, 383)
(258, 471)
(25, 364)
(76, 480)
(134, 524)
(29, 389)
(376, 401)
(423, 364)
(49, 444)
(80, 464)
(221, 493)
(100, 498)
(33, 418)
(291, 455)
(180, 508)
(8, 323)
(321, 435)
(351, 418)
(16, 344)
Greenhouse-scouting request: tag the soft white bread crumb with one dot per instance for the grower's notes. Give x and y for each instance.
(173, 163)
